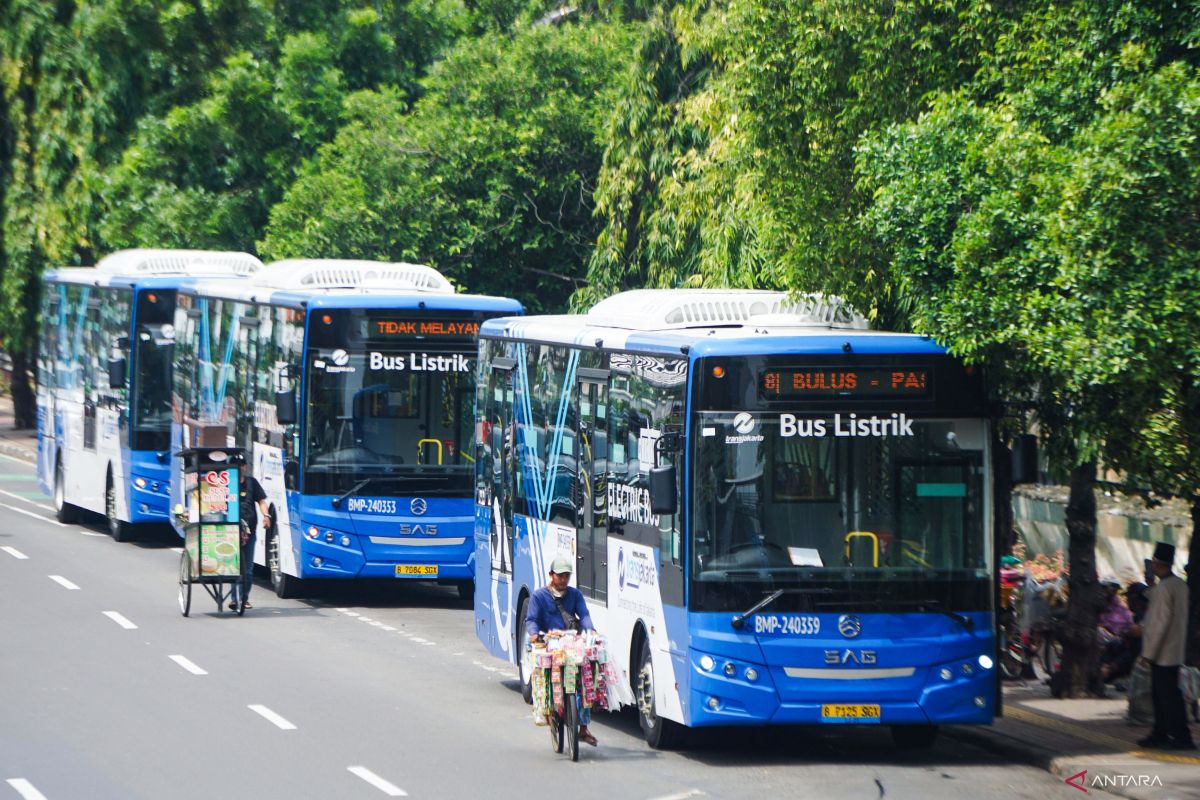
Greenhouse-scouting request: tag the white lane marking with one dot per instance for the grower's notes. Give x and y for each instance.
(31, 514)
(681, 795)
(120, 620)
(18, 460)
(272, 717)
(26, 789)
(63, 582)
(14, 552)
(188, 665)
(90, 533)
(390, 789)
(26, 500)
(175, 549)
(388, 628)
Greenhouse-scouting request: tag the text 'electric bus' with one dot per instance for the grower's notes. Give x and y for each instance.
(350, 385)
(776, 515)
(104, 378)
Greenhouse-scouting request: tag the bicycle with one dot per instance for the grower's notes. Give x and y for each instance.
(564, 725)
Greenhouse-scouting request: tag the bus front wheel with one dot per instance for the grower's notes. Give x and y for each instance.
(118, 530)
(661, 734)
(523, 657)
(285, 586)
(64, 512)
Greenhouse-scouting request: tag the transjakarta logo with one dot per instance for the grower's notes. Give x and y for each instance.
(630, 503)
(744, 423)
(340, 358)
(420, 362)
(851, 425)
(637, 572)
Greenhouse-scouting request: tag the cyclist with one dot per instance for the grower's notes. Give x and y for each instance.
(560, 606)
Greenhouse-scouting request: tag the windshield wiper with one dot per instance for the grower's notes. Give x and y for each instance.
(936, 605)
(341, 498)
(740, 619)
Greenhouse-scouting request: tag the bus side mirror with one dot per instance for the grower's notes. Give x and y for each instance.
(285, 407)
(1025, 459)
(291, 479)
(116, 373)
(663, 497)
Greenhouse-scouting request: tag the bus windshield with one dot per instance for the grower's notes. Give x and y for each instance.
(402, 416)
(153, 346)
(845, 510)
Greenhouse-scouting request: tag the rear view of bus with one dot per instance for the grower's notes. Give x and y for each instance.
(777, 516)
(104, 378)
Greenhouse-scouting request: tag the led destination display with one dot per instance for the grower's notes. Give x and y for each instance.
(397, 329)
(817, 382)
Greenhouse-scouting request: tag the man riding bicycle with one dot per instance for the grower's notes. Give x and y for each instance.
(560, 606)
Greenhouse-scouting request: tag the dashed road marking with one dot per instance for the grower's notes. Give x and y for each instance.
(187, 664)
(390, 789)
(272, 717)
(15, 496)
(120, 620)
(63, 582)
(14, 552)
(26, 789)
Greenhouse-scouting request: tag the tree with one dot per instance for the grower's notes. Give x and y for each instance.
(489, 176)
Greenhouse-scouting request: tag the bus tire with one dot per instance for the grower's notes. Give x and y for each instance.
(661, 734)
(286, 587)
(64, 512)
(522, 642)
(914, 737)
(466, 592)
(118, 530)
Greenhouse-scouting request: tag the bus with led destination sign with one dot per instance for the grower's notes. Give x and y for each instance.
(777, 516)
(802, 382)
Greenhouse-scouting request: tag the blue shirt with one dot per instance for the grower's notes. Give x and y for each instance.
(543, 614)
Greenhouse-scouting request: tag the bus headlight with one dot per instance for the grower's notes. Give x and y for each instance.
(729, 668)
(986, 662)
(139, 483)
(946, 673)
(707, 663)
(751, 674)
(312, 532)
(345, 541)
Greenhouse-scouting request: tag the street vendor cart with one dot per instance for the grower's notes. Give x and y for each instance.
(570, 672)
(211, 520)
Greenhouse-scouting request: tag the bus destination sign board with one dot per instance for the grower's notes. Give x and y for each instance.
(400, 329)
(824, 382)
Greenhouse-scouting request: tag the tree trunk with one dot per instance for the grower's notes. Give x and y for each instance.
(1193, 566)
(23, 395)
(1081, 646)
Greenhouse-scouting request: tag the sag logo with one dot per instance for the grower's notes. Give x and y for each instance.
(849, 626)
(418, 506)
(1081, 777)
(744, 422)
(340, 358)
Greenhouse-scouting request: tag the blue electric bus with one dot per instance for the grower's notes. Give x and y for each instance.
(777, 515)
(104, 377)
(350, 385)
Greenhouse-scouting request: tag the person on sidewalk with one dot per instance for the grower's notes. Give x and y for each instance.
(252, 499)
(1163, 641)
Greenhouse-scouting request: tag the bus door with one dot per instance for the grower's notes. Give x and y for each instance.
(245, 363)
(497, 437)
(590, 491)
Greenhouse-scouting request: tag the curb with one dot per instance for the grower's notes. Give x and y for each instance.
(18, 452)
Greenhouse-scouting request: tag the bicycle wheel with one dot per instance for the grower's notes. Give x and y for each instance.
(572, 726)
(185, 584)
(556, 731)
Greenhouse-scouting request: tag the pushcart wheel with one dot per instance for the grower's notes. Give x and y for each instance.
(185, 584)
(572, 725)
(556, 731)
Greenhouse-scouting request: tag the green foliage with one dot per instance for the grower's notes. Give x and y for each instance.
(490, 176)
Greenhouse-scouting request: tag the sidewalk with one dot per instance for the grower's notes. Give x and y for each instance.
(18, 444)
(1067, 737)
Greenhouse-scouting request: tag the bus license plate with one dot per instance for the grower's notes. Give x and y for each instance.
(849, 713)
(423, 570)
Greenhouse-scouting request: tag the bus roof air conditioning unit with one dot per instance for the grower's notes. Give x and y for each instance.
(667, 309)
(150, 263)
(319, 273)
